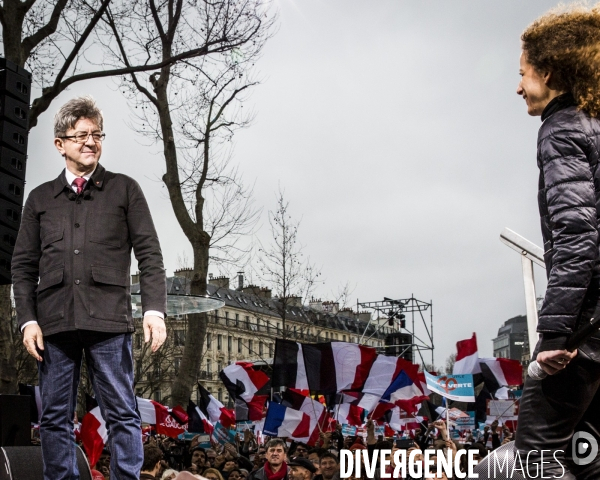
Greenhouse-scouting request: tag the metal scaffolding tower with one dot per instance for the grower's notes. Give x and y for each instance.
(404, 314)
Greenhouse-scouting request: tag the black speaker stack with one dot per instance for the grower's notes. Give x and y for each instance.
(25, 463)
(399, 344)
(15, 93)
(15, 420)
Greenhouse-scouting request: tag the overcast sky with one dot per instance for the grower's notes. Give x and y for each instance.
(395, 130)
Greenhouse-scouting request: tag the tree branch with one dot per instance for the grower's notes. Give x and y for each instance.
(29, 43)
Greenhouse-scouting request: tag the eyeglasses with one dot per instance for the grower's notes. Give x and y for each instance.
(81, 138)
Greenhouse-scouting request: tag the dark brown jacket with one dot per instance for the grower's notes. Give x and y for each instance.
(79, 249)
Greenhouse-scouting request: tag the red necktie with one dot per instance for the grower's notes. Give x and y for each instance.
(79, 182)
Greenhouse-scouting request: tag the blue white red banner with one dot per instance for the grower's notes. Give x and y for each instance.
(453, 387)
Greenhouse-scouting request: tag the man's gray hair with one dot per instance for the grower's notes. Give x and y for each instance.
(276, 442)
(73, 110)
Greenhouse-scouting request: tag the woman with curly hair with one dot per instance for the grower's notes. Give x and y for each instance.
(560, 81)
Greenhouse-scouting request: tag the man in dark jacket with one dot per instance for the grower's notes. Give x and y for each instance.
(275, 467)
(151, 466)
(560, 83)
(70, 272)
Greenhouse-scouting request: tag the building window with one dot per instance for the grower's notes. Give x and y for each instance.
(219, 342)
(219, 367)
(270, 350)
(344, 338)
(250, 347)
(209, 367)
(157, 396)
(260, 348)
(326, 335)
(239, 345)
(226, 315)
(208, 341)
(176, 365)
(220, 395)
(179, 338)
(247, 322)
(237, 319)
(229, 344)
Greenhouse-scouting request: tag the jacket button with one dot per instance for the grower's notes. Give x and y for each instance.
(76, 252)
(77, 282)
(76, 225)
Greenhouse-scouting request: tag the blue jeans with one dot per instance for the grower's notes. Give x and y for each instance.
(110, 365)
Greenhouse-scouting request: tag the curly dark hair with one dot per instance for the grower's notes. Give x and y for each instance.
(566, 42)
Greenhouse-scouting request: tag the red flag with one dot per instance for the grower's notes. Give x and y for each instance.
(93, 435)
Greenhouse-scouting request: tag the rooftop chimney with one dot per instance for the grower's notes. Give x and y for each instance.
(186, 273)
(220, 282)
(240, 280)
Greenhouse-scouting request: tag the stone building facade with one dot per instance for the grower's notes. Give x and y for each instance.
(245, 329)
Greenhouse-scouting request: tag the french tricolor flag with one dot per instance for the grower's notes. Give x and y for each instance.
(215, 410)
(399, 422)
(282, 421)
(198, 422)
(467, 357)
(381, 375)
(404, 393)
(332, 367)
(316, 411)
(347, 413)
(243, 383)
(500, 373)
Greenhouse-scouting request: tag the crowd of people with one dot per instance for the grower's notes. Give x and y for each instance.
(281, 459)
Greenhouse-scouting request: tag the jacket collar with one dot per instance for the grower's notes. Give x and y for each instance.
(558, 103)
(97, 180)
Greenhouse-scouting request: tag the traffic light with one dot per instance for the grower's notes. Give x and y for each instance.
(15, 93)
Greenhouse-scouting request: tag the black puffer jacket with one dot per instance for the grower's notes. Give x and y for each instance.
(569, 202)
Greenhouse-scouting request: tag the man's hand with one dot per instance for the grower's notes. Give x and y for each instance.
(154, 327)
(33, 339)
(554, 361)
(441, 426)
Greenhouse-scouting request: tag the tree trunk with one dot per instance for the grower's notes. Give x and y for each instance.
(191, 361)
(8, 371)
(14, 14)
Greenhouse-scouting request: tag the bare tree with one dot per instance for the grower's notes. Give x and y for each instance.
(283, 264)
(66, 41)
(450, 361)
(193, 108)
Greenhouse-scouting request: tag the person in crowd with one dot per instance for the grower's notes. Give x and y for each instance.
(169, 474)
(151, 465)
(301, 469)
(301, 450)
(199, 457)
(212, 474)
(227, 467)
(70, 274)
(559, 68)
(314, 455)
(329, 467)
(235, 474)
(244, 473)
(275, 466)
(211, 456)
